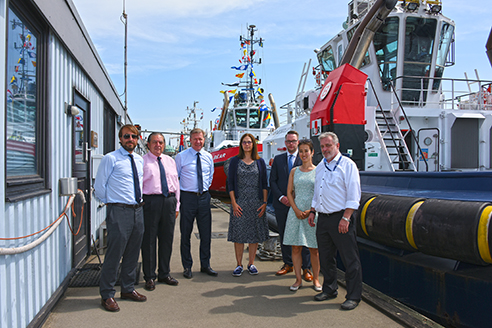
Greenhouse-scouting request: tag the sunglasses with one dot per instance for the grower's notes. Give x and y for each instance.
(127, 136)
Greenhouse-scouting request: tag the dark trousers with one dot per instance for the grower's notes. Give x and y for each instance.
(197, 207)
(329, 241)
(125, 228)
(281, 217)
(159, 220)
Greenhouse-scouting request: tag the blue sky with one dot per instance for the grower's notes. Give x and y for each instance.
(181, 51)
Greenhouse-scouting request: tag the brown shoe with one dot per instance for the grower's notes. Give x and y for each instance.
(134, 296)
(110, 305)
(285, 269)
(169, 280)
(150, 285)
(307, 275)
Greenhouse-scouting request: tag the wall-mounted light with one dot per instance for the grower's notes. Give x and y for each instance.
(436, 9)
(412, 6)
(71, 110)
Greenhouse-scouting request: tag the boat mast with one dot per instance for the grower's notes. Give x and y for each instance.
(251, 52)
(124, 20)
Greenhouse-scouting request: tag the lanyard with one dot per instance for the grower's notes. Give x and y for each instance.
(336, 165)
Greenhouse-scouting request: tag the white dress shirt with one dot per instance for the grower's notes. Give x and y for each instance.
(186, 166)
(337, 185)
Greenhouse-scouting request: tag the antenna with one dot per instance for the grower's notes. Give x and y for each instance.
(124, 20)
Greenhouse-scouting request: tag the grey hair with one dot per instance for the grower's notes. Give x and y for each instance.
(333, 136)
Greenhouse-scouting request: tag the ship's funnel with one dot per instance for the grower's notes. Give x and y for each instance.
(274, 110)
(224, 111)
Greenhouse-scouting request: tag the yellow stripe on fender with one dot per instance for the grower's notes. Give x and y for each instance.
(483, 235)
(363, 215)
(409, 223)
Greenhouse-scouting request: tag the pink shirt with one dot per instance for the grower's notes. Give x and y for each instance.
(152, 176)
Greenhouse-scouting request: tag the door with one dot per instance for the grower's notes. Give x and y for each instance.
(81, 170)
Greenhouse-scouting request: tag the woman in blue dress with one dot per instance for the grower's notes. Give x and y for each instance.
(298, 232)
(247, 181)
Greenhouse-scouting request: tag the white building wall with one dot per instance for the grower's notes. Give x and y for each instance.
(29, 279)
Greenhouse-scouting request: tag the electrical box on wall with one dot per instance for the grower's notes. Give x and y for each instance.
(68, 186)
(94, 139)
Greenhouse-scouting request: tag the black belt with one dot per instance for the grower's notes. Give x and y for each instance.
(195, 193)
(328, 214)
(134, 206)
(171, 194)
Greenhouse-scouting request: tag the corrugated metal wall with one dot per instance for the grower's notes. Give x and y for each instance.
(28, 280)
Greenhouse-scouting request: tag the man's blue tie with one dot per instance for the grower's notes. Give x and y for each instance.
(165, 189)
(291, 162)
(136, 183)
(199, 173)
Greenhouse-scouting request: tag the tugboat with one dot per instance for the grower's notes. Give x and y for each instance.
(423, 145)
(244, 111)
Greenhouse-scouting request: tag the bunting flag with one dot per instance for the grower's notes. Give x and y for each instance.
(33, 63)
(28, 37)
(213, 109)
(230, 91)
(253, 53)
(16, 69)
(255, 80)
(240, 75)
(230, 98)
(252, 73)
(236, 84)
(247, 42)
(21, 61)
(240, 68)
(263, 107)
(13, 80)
(261, 44)
(32, 54)
(245, 52)
(267, 117)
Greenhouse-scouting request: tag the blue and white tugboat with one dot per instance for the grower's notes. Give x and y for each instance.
(423, 145)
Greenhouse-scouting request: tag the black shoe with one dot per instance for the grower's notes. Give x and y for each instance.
(349, 305)
(169, 280)
(187, 273)
(209, 271)
(323, 296)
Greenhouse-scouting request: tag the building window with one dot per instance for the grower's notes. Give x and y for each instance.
(25, 131)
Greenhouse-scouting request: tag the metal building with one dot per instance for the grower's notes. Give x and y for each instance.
(61, 113)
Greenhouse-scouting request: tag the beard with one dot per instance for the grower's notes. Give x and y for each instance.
(129, 147)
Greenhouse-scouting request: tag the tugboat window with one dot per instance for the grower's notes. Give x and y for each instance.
(24, 132)
(419, 42)
(241, 117)
(327, 59)
(445, 40)
(386, 48)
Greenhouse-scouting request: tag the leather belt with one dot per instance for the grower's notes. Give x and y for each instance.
(171, 194)
(134, 206)
(329, 214)
(195, 193)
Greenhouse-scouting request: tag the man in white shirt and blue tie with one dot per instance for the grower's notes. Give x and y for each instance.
(195, 170)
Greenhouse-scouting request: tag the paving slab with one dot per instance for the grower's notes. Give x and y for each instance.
(224, 301)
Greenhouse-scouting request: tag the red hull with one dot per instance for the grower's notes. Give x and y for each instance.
(218, 186)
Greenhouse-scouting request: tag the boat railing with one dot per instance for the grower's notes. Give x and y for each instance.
(451, 93)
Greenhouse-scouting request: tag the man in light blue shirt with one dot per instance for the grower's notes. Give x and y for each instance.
(119, 184)
(195, 170)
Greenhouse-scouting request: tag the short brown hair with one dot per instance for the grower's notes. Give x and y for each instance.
(254, 151)
(130, 127)
(292, 132)
(197, 130)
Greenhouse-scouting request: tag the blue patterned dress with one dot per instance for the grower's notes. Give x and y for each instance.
(249, 228)
(299, 232)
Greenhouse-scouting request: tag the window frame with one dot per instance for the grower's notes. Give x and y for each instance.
(23, 187)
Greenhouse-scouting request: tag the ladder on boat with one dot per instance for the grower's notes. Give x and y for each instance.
(393, 141)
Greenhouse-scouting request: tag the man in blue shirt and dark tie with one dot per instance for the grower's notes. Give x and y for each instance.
(195, 170)
(118, 184)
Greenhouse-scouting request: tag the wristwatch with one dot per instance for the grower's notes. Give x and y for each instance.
(346, 219)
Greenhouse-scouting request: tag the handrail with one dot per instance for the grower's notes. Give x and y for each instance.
(409, 126)
(386, 121)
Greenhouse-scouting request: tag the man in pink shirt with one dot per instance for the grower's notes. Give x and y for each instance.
(161, 197)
